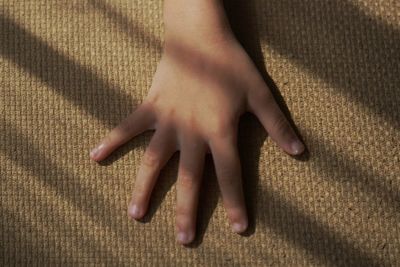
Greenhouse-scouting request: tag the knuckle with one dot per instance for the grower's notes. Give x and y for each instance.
(186, 181)
(151, 100)
(151, 159)
(127, 124)
(182, 213)
(124, 127)
(221, 128)
(280, 124)
(230, 173)
(168, 114)
(226, 175)
(265, 95)
(261, 97)
(149, 104)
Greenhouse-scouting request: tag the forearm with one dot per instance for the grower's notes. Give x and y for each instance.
(195, 20)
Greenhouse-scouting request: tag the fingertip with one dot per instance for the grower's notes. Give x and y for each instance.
(185, 238)
(94, 158)
(238, 219)
(239, 227)
(185, 230)
(297, 147)
(239, 223)
(96, 153)
(135, 212)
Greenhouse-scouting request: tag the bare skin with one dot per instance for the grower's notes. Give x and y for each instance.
(203, 83)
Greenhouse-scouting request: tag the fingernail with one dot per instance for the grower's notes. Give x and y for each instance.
(238, 227)
(96, 151)
(297, 147)
(182, 237)
(134, 211)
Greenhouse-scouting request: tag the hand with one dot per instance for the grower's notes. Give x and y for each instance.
(202, 85)
(194, 104)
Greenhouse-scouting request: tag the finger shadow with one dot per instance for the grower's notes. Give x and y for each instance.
(166, 179)
(208, 196)
(359, 22)
(242, 18)
(27, 155)
(312, 236)
(251, 137)
(354, 52)
(208, 201)
(79, 84)
(242, 15)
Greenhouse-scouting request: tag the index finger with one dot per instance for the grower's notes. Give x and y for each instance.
(137, 122)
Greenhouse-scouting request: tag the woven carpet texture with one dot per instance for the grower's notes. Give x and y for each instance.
(71, 70)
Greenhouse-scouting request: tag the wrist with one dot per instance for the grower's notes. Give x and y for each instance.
(195, 21)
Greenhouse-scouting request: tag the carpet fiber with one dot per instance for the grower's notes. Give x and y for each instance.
(71, 70)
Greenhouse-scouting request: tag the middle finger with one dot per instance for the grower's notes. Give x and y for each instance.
(190, 170)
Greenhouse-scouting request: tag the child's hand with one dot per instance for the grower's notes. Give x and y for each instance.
(199, 91)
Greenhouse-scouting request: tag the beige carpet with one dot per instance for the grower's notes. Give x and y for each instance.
(70, 71)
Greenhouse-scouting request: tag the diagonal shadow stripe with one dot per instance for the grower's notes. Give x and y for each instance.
(281, 216)
(306, 233)
(26, 155)
(372, 181)
(75, 82)
(16, 228)
(357, 54)
(131, 28)
(11, 251)
(272, 210)
(369, 181)
(45, 62)
(338, 245)
(321, 230)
